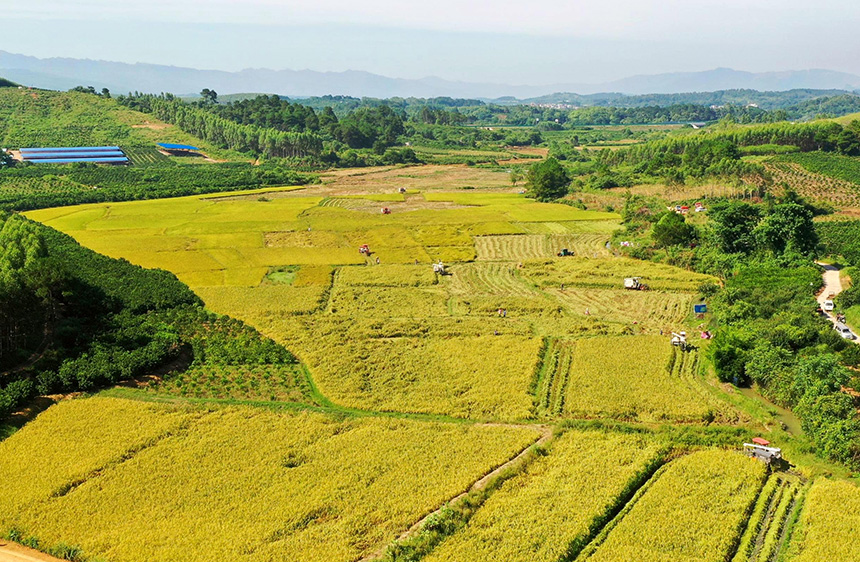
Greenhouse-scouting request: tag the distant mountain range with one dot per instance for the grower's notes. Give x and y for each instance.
(65, 73)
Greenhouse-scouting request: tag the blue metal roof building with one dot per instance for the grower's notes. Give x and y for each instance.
(72, 154)
(169, 146)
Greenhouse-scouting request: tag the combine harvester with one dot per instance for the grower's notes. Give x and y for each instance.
(760, 449)
(679, 340)
(635, 284)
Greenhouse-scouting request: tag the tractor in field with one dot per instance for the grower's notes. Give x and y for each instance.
(635, 284)
(364, 250)
(386, 211)
(564, 252)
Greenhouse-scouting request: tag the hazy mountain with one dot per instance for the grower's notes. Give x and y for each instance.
(64, 73)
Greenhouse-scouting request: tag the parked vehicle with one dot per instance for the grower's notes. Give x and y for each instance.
(828, 306)
(845, 331)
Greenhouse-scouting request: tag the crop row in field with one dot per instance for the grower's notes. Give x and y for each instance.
(766, 528)
(532, 246)
(150, 482)
(828, 524)
(693, 511)
(649, 309)
(813, 185)
(548, 512)
(622, 377)
(480, 279)
(283, 383)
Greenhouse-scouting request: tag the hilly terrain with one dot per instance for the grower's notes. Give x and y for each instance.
(66, 73)
(383, 333)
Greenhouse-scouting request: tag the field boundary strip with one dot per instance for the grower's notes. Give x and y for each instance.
(489, 480)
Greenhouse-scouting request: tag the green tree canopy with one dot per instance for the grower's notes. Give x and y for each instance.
(788, 227)
(733, 224)
(547, 180)
(672, 230)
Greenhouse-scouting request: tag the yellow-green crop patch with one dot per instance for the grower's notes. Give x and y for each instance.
(829, 523)
(610, 274)
(371, 327)
(234, 483)
(692, 512)
(553, 504)
(623, 377)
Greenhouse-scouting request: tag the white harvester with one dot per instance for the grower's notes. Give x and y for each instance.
(635, 284)
(679, 340)
(439, 268)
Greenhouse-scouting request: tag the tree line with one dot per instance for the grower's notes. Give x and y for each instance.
(223, 132)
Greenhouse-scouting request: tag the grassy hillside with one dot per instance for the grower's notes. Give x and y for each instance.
(32, 118)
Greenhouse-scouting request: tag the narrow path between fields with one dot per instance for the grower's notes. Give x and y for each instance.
(14, 552)
(545, 435)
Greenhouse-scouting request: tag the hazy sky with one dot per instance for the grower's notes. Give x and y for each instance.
(517, 42)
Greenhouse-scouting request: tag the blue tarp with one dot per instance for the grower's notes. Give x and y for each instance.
(169, 146)
(71, 149)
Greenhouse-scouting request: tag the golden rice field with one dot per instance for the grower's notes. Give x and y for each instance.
(72, 441)
(362, 324)
(624, 377)
(473, 375)
(693, 511)
(535, 246)
(150, 482)
(555, 503)
(655, 310)
(829, 523)
(610, 274)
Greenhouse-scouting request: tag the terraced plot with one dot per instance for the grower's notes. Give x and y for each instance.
(71, 442)
(610, 274)
(478, 279)
(549, 512)
(234, 483)
(474, 375)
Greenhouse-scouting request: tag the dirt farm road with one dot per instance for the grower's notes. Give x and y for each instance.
(14, 552)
